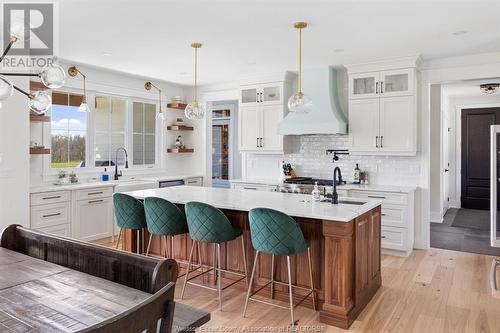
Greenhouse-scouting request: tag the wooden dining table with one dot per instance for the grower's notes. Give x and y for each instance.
(39, 296)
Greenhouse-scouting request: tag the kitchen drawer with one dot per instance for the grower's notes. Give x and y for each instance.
(385, 197)
(394, 238)
(255, 187)
(50, 215)
(394, 216)
(194, 181)
(50, 197)
(93, 193)
(58, 230)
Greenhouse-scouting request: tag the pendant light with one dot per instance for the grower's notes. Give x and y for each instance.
(148, 85)
(195, 110)
(300, 103)
(73, 71)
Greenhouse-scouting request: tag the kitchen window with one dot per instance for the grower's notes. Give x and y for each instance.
(110, 130)
(68, 131)
(144, 133)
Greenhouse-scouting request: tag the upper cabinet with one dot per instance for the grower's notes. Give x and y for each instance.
(261, 94)
(383, 107)
(262, 107)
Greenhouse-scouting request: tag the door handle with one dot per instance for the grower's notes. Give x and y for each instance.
(381, 144)
(261, 144)
(257, 142)
(376, 88)
(382, 87)
(261, 97)
(446, 170)
(493, 275)
(376, 141)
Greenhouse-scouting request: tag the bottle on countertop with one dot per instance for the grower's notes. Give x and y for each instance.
(356, 178)
(105, 175)
(316, 194)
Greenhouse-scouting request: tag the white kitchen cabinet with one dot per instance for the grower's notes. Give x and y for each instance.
(382, 107)
(258, 128)
(262, 94)
(93, 219)
(58, 230)
(249, 133)
(364, 120)
(397, 124)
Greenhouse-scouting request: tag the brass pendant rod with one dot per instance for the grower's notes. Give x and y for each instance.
(23, 92)
(300, 60)
(7, 49)
(196, 74)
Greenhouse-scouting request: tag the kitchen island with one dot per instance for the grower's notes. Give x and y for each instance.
(345, 244)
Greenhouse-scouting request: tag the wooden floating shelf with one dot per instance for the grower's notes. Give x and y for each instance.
(180, 150)
(39, 151)
(37, 118)
(178, 106)
(179, 128)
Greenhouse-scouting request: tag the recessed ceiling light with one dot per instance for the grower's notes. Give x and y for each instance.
(460, 32)
(338, 50)
(252, 63)
(107, 54)
(183, 73)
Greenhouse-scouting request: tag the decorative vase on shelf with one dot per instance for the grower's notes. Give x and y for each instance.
(179, 143)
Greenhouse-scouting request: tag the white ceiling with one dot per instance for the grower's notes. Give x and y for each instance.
(151, 38)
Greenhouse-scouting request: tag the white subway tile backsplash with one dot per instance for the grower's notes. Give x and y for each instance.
(308, 157)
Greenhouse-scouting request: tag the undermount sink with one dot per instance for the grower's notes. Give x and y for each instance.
(346, 202)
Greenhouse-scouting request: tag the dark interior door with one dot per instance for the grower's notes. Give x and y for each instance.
(476, 156)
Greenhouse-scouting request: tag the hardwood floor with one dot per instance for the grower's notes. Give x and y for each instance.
(431, 291)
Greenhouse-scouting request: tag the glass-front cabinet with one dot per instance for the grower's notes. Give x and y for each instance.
(364, 85)
(262, 94)
(389, 83)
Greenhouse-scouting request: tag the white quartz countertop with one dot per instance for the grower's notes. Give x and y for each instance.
(297, 205)
(256, 181)
(94, 184)
(378, 188)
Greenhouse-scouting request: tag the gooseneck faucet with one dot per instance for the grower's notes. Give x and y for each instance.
(335, 196)
(119, 174)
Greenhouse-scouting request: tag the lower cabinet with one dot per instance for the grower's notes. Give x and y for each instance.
(85, 214)
(254, 187)
(93, 219)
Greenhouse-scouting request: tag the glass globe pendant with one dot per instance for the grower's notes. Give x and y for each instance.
(6, 88)
(195, 110)
(299, 102)
(73, 71)
(53, 75)
(40, 102)
(160, 116)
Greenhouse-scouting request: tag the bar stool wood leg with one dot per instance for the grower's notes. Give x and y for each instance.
(188, 268)
(149, 244)
(215, 264)
(290, 288)
(172, 246)
(219, 282)
(119, 238)
(251, 282)
(272, 276)
(200, 263)
(311, 277)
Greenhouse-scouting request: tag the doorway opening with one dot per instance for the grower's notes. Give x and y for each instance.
(460, 166)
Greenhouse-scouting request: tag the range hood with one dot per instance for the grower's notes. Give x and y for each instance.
(326, 116)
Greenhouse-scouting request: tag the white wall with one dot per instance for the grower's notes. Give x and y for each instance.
(436, 151)
(14, 158)
(123, 84)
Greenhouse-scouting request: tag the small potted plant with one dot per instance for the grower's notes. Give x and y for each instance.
(62, 178)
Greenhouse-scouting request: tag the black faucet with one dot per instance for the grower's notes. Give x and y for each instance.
(119, 174)
(335, 196)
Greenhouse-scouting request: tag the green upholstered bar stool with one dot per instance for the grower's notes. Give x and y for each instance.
(164, 219)
(129, 214)
(275, 233)
(208, 224)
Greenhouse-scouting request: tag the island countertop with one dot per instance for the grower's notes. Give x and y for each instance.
(299, 205)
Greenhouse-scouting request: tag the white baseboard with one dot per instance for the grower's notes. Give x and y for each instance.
(454, 204)
(436, 217)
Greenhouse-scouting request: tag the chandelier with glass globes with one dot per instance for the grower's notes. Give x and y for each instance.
(52, 76)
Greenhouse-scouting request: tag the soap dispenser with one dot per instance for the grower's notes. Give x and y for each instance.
(105, 175)
(316, 194)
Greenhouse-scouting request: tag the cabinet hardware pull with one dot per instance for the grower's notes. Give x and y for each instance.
(94, 193)
(382, 87)
(51, 215)
(383, 237)
(261, 144)
(493, 274)
(95, 201)
(382, 214)
(261, 97)
(54, 197)
(257, 97)
(376, 88)
(381, 142)
(249, 188)
(376, 197)
(257, 142)
(376, 141)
